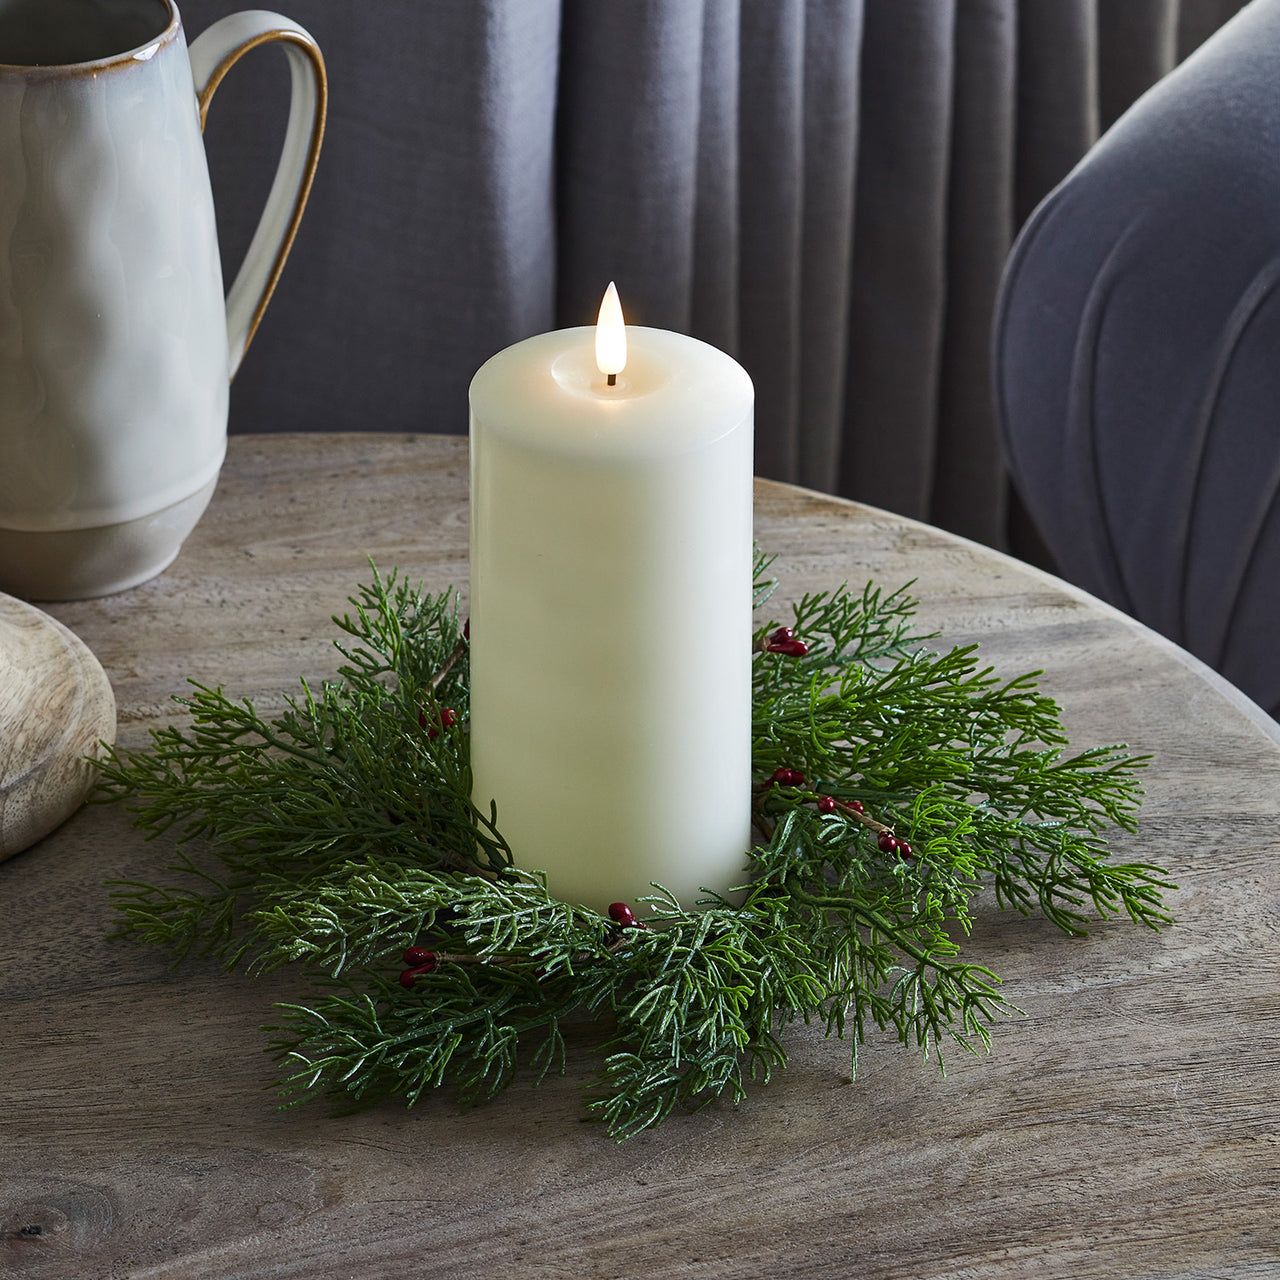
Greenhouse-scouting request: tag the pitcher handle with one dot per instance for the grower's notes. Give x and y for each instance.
(212, 54)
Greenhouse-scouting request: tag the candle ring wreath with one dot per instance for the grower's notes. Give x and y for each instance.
(893, 784)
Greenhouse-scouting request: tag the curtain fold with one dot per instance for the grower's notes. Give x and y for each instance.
(630, 88)
(1057, 94)
(714, 313)
(967, 488)
(898, 283)
(832, 56)
(771, 211)
(825, 188)
(1137, 44)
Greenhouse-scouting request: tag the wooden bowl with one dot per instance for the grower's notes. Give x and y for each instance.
(56, 706)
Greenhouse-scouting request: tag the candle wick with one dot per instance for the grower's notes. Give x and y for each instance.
(613, 379)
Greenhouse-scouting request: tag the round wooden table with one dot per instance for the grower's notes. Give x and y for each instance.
(1128, 1126)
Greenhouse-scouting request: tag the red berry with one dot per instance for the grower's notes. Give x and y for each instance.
(792, 648)
(411, 975)
(888, 842)
(856, 804)
(826, 804)
(781, 635)
(447, 719)
(904, 848)
(466, 630)
(418, 955)
(795, 778)
(622, 914)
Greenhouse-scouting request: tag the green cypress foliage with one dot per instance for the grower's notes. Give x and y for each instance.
(335, 834)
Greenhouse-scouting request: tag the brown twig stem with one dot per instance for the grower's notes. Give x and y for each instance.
(865, 819)
(459, 648)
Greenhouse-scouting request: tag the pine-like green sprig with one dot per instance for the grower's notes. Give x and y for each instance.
(338, 833)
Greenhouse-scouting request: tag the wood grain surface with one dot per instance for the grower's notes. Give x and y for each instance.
(55, 707)
(1127, 1126)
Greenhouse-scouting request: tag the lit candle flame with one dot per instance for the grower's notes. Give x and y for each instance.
(611, 335)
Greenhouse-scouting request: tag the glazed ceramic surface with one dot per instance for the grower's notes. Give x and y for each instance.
(116, 343)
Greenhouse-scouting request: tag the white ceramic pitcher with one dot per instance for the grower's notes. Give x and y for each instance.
(116, 343)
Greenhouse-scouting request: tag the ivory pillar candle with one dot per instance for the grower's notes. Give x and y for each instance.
(611, 555)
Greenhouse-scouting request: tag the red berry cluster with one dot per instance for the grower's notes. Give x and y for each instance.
(420, 962)
(783, 640)
(887, 840)
(889, 843)
(784, 777)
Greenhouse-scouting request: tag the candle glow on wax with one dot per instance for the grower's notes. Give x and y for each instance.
(611, 335)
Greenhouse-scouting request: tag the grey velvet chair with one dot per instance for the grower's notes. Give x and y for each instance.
(1137, 359)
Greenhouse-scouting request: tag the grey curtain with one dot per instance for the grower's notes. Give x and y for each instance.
(825, 188)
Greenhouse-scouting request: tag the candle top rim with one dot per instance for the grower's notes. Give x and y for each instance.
(546, 393)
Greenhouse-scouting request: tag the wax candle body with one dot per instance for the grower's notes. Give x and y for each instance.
(611, 613)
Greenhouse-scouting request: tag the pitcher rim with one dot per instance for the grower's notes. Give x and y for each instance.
(139, 53)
